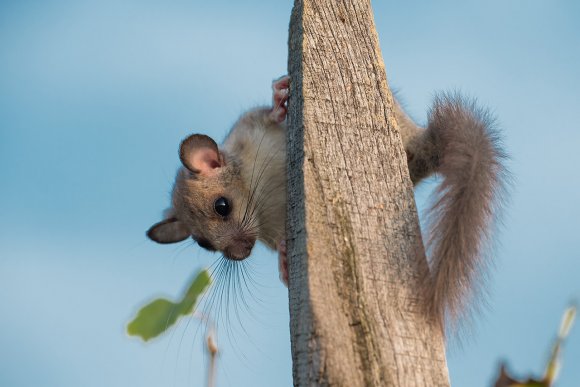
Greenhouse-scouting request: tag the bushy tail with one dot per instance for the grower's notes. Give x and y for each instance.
(465, 149)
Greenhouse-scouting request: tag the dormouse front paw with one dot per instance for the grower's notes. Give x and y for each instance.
(279, 98)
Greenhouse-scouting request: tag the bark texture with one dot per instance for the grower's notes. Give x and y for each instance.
(354, 245)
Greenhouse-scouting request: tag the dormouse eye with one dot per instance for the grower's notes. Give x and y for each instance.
(222, 207)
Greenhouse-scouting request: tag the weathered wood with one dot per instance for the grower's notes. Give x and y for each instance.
(354, 245)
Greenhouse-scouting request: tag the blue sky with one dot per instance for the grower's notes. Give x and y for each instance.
(94, 99)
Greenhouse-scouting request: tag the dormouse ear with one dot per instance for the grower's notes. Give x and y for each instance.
(200, 154)
(168, 231)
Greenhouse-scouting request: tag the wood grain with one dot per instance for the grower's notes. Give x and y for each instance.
(354, 245)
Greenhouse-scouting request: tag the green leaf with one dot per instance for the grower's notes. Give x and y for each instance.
(160, 314)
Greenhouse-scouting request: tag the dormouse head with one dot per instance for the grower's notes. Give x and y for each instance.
(209, 202)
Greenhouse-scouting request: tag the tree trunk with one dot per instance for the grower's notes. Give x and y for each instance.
(354, 245)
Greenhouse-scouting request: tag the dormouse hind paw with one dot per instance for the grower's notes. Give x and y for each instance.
(279, 98)
(283, 262)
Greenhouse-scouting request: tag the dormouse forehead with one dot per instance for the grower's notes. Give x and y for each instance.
(191, 193)
(196, 195)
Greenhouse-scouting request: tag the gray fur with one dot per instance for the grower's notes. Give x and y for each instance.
(460, 143)
(463, 146)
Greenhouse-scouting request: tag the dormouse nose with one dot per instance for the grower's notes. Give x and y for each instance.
(240, 248)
